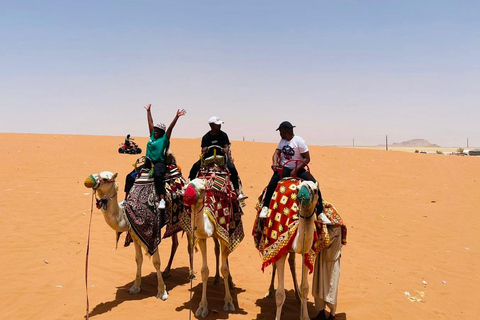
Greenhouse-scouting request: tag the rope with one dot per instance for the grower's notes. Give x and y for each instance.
(192, 275)
(86, 257)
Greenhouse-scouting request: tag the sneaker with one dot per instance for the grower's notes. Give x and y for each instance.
(264, 212)
(241, 196)
(324, 218)
(161, 205)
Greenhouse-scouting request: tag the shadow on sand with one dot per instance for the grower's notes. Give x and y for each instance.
(178, 277)
(290, 310)
(215, 297)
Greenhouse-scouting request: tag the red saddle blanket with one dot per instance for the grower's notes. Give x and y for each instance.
(222, 208)
(274, 235)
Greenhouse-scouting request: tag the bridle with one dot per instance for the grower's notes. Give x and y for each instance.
(101, 203)
(313, 212)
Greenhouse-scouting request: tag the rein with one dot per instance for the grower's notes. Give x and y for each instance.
(100, 203)
(87, 254)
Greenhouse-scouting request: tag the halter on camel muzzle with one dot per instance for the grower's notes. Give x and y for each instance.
(304, 196)
(95, 181)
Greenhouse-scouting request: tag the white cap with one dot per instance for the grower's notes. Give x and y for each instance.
(215, 120)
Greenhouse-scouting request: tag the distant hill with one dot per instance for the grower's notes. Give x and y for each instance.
(415, 143)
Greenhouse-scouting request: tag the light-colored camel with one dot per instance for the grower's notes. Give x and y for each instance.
(106, 189)
(204, 229)
(302, 243)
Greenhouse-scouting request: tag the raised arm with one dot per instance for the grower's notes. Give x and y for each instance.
(149, 118)
(174, 122)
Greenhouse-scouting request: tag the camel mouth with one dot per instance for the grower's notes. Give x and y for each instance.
(90, 182)
(190, 195)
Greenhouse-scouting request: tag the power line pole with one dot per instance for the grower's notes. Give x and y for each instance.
(354, 142)
(467, 142)
(386, 143)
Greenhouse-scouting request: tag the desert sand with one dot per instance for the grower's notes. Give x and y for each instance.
(412, 227)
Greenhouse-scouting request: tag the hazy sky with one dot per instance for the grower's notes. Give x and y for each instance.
(338, 70)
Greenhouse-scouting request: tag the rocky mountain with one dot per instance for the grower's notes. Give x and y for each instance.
(415, 143)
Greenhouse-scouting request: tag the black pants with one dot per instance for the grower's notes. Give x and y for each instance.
(231, 168)
(302, 174)
(159, 171)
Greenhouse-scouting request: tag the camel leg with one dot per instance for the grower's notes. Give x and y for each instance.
(291, 263)
(202, 310)
(230, 280)
(280, 293)
(189, 250)
(139, 260)
(304, 293)
(271, 288)
(228, 306)
(161, 288)
(216, 280)
(166, 272)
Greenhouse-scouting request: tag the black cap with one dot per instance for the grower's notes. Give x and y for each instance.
(285, 124)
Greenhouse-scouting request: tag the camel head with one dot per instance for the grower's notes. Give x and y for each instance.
(102, 182)
(194, 192)
(308, 195)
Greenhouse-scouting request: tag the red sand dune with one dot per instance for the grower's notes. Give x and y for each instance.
(411, 218)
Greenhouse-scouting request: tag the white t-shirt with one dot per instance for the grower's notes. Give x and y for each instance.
(292, 150)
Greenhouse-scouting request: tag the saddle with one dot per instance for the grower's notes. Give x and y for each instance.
(221, 205)
(274, 235)
(141, 207)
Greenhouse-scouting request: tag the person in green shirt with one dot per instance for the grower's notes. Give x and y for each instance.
(157, 148)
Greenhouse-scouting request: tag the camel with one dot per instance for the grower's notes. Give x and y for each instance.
(106, 188)
(299, 239)
(207, 226)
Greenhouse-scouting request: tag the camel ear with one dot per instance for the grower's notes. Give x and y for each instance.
(115, 175)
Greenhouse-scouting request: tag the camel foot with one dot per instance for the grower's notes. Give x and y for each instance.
(162, 295)
(229, 307)
(202, 312)
(134, 290)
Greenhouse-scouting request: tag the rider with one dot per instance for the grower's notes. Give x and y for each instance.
(290, 147)
(157, 148)
(127, 141)
(217, 137)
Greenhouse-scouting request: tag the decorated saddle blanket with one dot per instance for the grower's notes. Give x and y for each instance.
(222, 208)
(141, 211)
(333, 215)
(141, 208)
(274, 235)
(178, 219)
